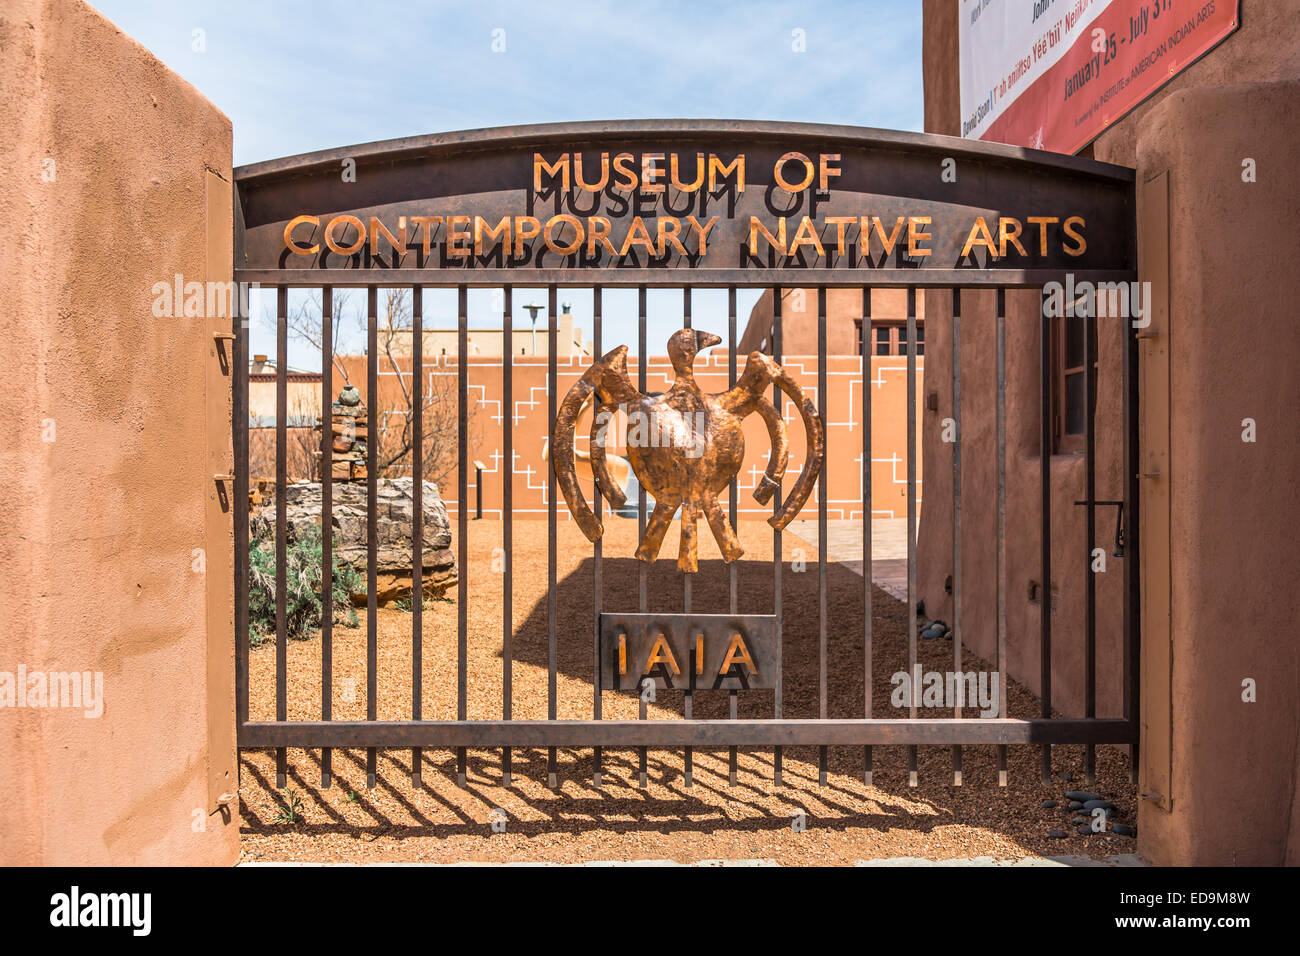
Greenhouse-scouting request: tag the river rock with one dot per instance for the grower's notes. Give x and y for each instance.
(394, 507)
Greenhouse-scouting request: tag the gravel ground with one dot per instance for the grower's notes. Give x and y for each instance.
(846, 821)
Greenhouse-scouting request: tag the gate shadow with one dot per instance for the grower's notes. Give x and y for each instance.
(713, 817)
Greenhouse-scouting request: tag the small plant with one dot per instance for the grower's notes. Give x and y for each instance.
(406, 603)
(290, 812)
(303, 581)
(352, 797)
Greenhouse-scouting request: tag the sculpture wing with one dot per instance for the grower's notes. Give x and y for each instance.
(607, 379)
(761, 371)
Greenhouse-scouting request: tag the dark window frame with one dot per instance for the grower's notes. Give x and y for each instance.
(1066, 370)
(895, 337)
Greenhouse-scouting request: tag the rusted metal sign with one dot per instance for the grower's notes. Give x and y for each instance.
(624, 203)
(690, 651)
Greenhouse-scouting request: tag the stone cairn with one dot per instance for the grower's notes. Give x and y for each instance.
(350, 436)
(393, 514)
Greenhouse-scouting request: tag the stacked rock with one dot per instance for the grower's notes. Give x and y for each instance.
(349, 436)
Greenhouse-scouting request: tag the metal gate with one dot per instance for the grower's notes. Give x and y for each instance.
(286, 217)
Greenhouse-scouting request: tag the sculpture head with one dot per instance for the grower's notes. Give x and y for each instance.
(685, 344)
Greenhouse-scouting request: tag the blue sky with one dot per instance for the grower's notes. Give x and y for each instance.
(296, 76)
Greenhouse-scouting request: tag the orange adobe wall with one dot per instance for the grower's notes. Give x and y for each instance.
(115, 555)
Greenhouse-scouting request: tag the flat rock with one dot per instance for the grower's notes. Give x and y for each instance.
(394, 508)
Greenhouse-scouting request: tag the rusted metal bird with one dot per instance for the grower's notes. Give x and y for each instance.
(685, 446)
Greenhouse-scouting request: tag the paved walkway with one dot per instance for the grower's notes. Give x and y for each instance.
(844, 546)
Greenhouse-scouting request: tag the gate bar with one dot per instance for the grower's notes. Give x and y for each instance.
(439, 734)
(372, 531)
(821, 528)
(492, 277)
(281, 517)
(956, 516)
(642, 599)
(462, 517)
(597, 310)
(239, 326)
(1090, 522)
(911, 517)
(552, 385)
(507, 516)
(327, 522)
(688, 757)
(733, 696)
(417, 520)
(778, 401)
(1045, 535)
(864, 346)
(1001, 334)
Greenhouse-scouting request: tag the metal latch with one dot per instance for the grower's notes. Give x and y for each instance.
(1119, 523)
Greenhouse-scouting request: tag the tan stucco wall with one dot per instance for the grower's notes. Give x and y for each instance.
(99, 528)
(1233, 347)
(1232, 344)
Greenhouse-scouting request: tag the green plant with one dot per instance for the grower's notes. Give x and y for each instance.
(290, 812)
(303, 582)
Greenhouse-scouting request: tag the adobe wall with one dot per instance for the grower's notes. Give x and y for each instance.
(1226, 768)
(799, 319)
(119, 421)
(1230, 766)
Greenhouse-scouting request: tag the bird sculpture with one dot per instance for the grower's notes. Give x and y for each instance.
(685, 445)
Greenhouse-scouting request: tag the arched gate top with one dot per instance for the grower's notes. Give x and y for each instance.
(700, 202)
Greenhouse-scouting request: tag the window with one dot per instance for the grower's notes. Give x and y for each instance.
(890, 337)
(883, 336)
(1069, 349)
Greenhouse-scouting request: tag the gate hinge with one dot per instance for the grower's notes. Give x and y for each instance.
(226, 362)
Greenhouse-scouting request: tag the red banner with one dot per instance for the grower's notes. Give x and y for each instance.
(1060, 79)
